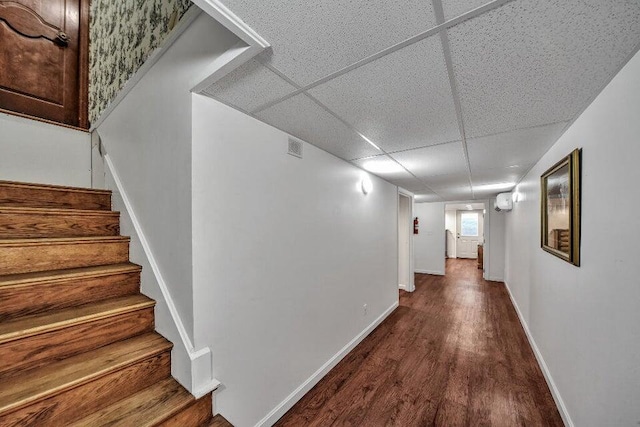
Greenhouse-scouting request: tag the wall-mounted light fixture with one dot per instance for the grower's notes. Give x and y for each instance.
(366, 185)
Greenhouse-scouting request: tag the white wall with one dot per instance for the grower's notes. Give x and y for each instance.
(585, 319)
(451, 224)
(286, 252)
(148, 137)
(148, 140)
(496, 244)
(405, 234)
(98, 172)
(33, 151)
(429, 244)
(180, 360)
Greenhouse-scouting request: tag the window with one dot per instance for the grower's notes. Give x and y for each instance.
(469, 224)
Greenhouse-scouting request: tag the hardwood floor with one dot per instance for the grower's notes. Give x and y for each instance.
(453, 354)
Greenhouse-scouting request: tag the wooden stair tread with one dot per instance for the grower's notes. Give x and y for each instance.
(145, 408)
(219, 421)
(54, 320)
(29, 185)
(43, 241)
(37, 384)
(76, 336)
(24, 279)
(56, 211)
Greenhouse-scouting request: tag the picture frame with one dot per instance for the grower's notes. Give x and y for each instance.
(560, 193)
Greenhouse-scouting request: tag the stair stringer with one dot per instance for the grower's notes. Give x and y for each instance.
(191, 367)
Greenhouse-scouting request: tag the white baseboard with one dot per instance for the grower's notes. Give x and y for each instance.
(402, 287)
(543, 366)
(304, 388)
(437, 273)
(496, 279)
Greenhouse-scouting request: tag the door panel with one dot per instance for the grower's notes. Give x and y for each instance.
(467, 243)
(39, 59)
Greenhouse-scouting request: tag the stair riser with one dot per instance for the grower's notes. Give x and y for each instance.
(63, 366)
(36, 197)
(26, 225)
(40, 297)
(34, 351)
(33, 258)
(194, 415)
(71, 405)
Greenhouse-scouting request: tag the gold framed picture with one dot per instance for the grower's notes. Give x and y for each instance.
(560, 208)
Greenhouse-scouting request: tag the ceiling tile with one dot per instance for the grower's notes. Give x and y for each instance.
(453, 8)
(493, 188)
(411, 184)
(464, 206)
(445, 181)
(311, 39)
(304, 119)
(249, 86)
(530, 63)
(425, 197)
(378, 156)
(456, 193)
(400, 101)
(494, 176)
(489, 194)
(386, 168)
(389, 170)
(441, 159)
(383, 166)
(517, 148)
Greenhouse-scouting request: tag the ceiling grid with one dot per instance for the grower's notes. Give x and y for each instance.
(324, 107)
(423, 35)
(439, 12)
(368, 82)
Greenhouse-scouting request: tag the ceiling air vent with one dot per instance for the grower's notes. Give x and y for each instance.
(295, 148)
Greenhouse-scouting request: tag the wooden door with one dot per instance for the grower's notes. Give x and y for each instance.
(44, 59)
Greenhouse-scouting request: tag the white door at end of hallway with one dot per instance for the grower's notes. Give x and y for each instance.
(470, 233)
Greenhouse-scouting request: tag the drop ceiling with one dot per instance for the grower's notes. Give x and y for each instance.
(449, 99)
(463, 206)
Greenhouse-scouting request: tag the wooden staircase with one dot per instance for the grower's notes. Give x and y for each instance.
(77, 339)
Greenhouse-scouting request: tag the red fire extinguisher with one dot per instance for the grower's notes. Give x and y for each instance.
(416, 224)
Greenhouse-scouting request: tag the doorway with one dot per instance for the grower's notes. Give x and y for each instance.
(465, 228)
(405, 241)
(44, 60)
(469, 234)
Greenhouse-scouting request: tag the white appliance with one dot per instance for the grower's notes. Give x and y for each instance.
(503, 202)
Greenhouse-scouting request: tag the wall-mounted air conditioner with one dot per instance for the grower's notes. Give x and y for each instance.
(503, 202)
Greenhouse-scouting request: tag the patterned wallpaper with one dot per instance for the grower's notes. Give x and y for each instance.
(122, 35)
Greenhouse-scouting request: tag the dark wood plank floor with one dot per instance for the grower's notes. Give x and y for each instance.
(452, 354)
